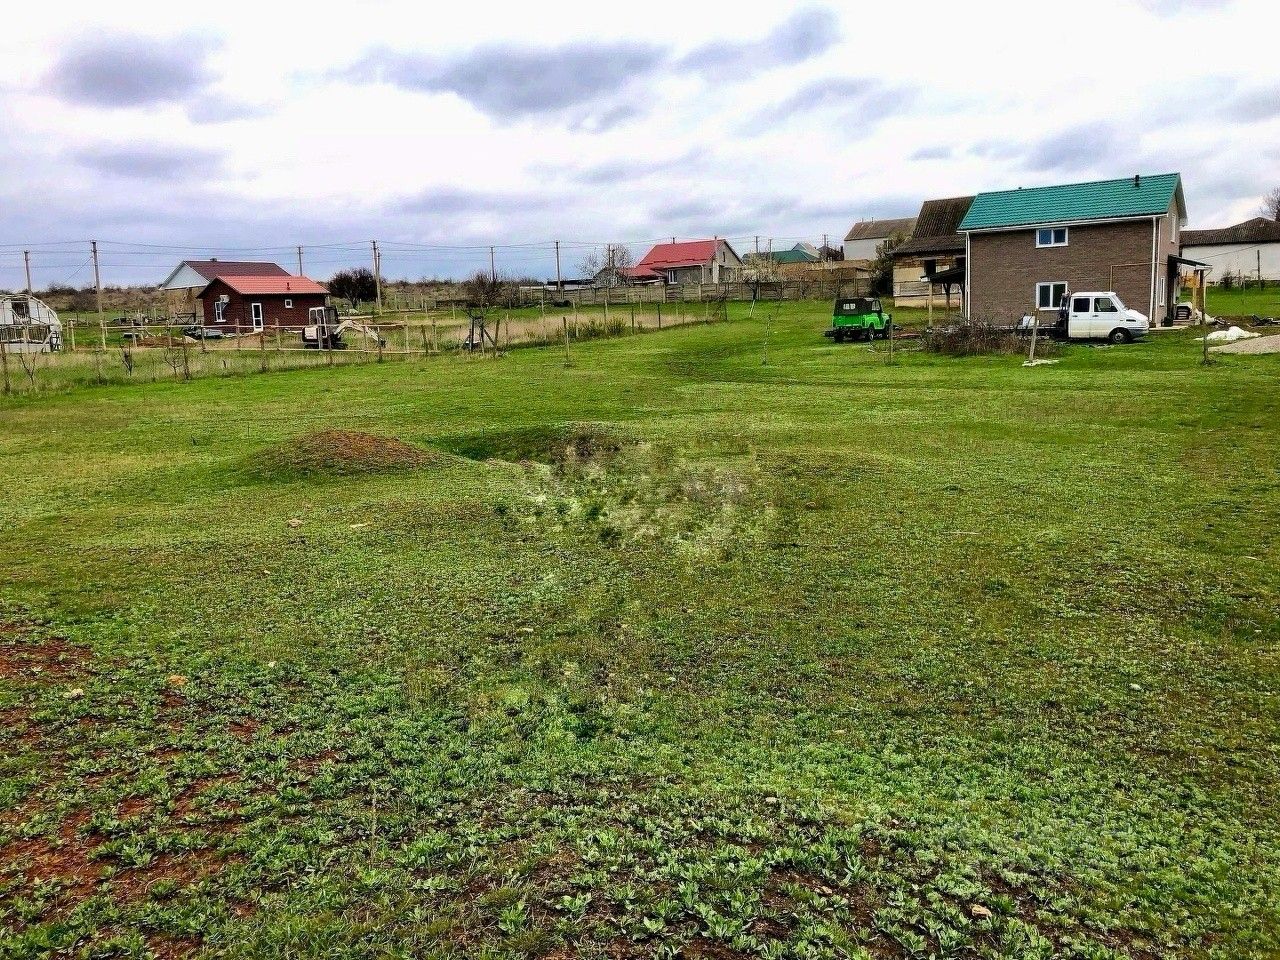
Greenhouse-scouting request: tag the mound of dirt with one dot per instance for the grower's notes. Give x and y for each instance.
(553, 444)
(341, 453)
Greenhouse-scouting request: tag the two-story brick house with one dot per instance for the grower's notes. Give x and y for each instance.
(246, 304)
(1025, 249)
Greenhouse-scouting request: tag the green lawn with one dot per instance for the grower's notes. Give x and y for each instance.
(1234, 303)
(819, 657)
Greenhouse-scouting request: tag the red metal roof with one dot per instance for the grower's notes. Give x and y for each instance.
(638, 273)
(271, 285)
(686, 253)
(209, 269)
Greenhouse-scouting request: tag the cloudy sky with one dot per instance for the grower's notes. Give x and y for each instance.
(238, 131)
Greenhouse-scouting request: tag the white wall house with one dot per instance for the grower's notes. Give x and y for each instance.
(864, 236)
(1244, 249)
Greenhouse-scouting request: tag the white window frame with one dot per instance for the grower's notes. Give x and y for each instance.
(1160, 291)
(288, 304)
(257, 316)
(1051, 284)
(1066, 237)
(219, 310)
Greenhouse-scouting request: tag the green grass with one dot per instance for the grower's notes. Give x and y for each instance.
(1235, 303)
(823, 657)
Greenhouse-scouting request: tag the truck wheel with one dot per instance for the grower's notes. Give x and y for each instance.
(1120, 335)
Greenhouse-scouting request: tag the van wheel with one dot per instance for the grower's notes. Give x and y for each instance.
(1120, 335)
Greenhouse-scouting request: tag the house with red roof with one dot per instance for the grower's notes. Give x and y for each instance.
(248, 303)
(189, 277)
(693, 261)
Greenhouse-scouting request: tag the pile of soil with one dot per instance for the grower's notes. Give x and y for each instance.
(341, 453)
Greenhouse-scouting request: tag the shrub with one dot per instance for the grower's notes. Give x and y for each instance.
(979, 338)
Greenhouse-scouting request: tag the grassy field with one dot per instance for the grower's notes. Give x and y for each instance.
(668, 652)
(1234, 303)
(406, 335)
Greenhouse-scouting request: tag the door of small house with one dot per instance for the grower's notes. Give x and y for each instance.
(255, 314)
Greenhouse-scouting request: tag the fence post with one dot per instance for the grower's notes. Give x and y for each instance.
(564, 321)
(4, 361)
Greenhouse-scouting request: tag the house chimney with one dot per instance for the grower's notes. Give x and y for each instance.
(1137, 180)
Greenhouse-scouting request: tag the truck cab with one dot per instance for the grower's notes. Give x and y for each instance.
(1099, 315)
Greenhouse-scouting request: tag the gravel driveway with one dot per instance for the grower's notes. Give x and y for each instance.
(1269, 344)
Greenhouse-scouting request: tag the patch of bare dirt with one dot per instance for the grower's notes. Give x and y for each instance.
(40, 661)
(66, 860)
(244, 728)
(194, 795)
(132, 807)
(169, 869)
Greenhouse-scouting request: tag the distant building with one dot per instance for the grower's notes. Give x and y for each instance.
(1028, 248)
(935, 250)
(865, 236)
(1245, 249)
(189, 277)
(258, 302)
(693, 261)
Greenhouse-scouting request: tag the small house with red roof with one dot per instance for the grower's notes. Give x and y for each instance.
(693, 261)
(257, 302)
(189, 277)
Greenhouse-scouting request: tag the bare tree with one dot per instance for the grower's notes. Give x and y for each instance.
(483, 291)
(882, 265)
(1271, 205)
(608, 266)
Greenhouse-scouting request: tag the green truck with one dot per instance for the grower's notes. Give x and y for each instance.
(858, 318)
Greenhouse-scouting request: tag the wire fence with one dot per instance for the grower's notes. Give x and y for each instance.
(88, 353)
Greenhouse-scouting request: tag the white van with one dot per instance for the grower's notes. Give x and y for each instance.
(1099, 316)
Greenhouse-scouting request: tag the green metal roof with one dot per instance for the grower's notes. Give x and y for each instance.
(792, 256)
(1101, 200)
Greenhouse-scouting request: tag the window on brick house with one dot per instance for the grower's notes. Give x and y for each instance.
(1051, 237)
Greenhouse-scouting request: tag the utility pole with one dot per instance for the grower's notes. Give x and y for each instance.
(97, 287)
(299, 259)
(757, 244)
(559, 282)
(26, 260)
(493, 270)
(823, 251)
(377, 278)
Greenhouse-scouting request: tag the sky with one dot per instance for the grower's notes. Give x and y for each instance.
(242, 130)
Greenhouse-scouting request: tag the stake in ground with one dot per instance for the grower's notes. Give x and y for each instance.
(666, 651)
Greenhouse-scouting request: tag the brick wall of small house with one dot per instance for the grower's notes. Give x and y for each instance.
(1004, 267)
(274, 312)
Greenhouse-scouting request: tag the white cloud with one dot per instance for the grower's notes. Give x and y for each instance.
(247, 125)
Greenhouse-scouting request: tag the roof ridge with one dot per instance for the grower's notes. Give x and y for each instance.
(1077, 183)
